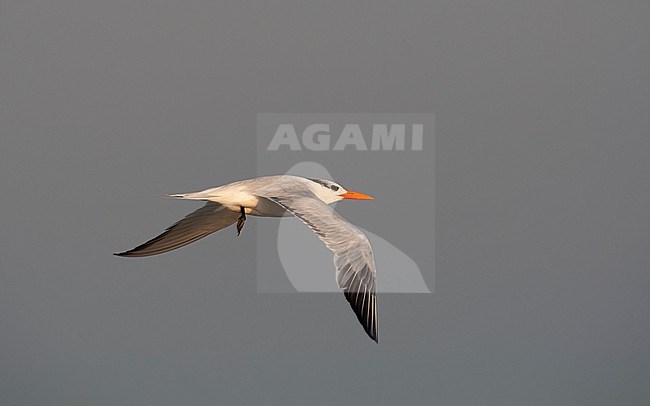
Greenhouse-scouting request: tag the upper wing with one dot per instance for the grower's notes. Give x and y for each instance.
(196, 225)
(355, 267)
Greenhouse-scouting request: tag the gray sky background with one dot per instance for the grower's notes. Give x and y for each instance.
(542, 201)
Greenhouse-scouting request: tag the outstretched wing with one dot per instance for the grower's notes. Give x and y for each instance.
(196, 225)
(355, 267)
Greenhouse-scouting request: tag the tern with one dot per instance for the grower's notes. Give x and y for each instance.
(277, 196)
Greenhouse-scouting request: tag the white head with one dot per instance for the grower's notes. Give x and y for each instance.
(329, 191)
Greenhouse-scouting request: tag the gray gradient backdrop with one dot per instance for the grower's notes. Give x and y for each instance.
(542, 212)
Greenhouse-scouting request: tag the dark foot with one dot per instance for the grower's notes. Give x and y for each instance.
(240, 221)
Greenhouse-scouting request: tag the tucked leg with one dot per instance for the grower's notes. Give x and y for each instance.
(240, 221)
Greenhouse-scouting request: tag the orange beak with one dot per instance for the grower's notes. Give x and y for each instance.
(356, 196)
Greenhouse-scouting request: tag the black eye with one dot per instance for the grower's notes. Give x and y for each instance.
(334, 188)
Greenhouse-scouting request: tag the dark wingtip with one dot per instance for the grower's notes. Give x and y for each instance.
(370, 329)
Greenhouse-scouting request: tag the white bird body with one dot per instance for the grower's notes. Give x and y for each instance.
(247, 194)
(277, 196)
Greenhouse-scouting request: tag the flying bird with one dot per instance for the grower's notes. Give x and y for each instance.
(277, 196)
